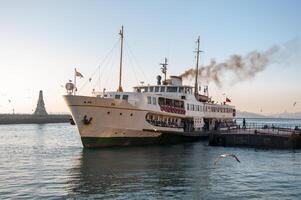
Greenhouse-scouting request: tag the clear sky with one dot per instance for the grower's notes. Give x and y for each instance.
(41, 42)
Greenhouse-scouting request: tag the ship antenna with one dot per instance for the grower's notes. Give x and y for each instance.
(197, 68)
(164, 68)
(121, 51)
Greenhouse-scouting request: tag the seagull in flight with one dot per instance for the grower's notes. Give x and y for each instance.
(295, 103)
(226, 155)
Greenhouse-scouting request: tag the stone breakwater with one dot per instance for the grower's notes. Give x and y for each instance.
(33, 119)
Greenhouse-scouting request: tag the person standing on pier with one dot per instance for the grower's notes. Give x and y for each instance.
(244, 123)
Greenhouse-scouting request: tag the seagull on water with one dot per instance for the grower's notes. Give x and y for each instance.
(226, 155)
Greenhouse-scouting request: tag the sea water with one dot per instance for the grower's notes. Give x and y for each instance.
(49, 162)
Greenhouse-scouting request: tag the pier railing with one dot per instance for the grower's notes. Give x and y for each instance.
(266, 128)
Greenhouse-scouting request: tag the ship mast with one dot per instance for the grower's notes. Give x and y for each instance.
(197, 68)
(121, 51)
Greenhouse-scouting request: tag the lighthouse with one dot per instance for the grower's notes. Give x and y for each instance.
(40, 109)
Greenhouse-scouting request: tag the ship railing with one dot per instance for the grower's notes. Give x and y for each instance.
(161, 123)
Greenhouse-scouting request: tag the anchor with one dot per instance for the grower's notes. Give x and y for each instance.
(86, 120)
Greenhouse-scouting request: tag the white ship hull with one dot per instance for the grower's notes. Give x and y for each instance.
(117, 123)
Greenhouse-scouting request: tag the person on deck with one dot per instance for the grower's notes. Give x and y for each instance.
(243, 123)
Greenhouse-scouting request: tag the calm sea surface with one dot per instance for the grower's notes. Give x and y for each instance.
(48, 161)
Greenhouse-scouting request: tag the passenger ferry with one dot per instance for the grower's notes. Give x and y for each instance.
(165, 113)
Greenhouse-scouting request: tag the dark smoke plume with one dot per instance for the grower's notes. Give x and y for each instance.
(241, 68)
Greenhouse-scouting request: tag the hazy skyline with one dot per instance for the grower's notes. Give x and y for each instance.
(41, 42)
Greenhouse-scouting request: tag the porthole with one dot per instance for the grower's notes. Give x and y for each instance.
(131, 114)
(108, 112)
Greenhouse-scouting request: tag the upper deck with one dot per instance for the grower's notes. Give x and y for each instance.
(169, 89)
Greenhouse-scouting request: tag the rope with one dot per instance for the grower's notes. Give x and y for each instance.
(110, 72)
(98, 68)
(131, 64)
(139, 66)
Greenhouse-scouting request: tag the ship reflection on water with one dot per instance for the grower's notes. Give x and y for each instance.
(184, 171)
(170, 171)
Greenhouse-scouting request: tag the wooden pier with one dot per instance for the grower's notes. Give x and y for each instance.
(264, 137)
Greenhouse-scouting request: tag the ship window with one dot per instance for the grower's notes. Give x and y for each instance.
(154, 100)
(151, 89)
(181, 104)
(161, 101)
(149, 100)
(172, 89)
(157, 89)
(181, 89)
(187, 106)
(198, 108)
(169, 102)
(125, 97)
(117, 96)
(162, 89)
